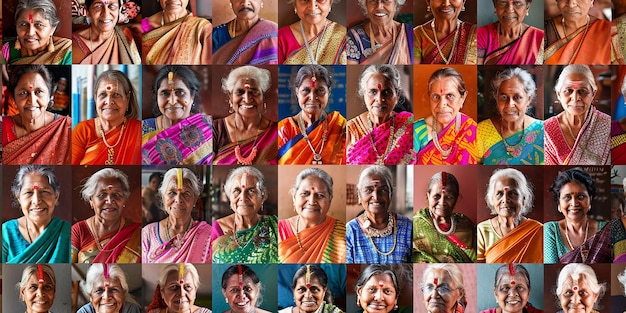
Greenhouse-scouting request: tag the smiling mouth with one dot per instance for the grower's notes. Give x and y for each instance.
(247, 107)
(242, 304)
(380, 14)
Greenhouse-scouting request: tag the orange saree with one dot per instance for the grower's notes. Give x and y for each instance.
(324, 243)
(294, 149)
(89, 148)
(586, 45)
(524, 244)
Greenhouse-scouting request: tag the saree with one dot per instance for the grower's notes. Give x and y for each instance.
(127, 307)
(618, 240)
(397, 51)
(189, 141)
(618, 38)
(592, 145)
(52, 245)
(193, 248)
(555, 247)
(328, 136)
(596, 249)
(527, 49)
(323, 243)
(255, 245)
(329, 41)
(527, 145)
(585, 45)
(88, 148)
(62, 53)
(524, 244)
(49, 145)
(463, 41)
(393, 248)
(224, 148)
(462, 143)
(529, 308)
(618, 143)
(123, 246)
(325, 308)
(431, 246)
(394, 138)
(259, 45)
(118, 49)
(183, 41)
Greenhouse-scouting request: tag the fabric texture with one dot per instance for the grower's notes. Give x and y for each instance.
(527, 49)
(52, 245)
(580, 46)
(88, 148)
(426, 52)
(258, 243)
(463, 143)
(618, 240)
(431, 246)
(397, 51)
(259, 45)
(618, 143)
(556, 249)
(329, 41)
(527, 150)
(360, 249)
(123, 246)
(49, 145)
(184, 41)
(194, 247)
(62, 53)
(224, 149)
(524, 244)
(117, 49)
(323, 243)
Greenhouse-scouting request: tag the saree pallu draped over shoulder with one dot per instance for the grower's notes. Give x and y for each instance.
(122, 247)
(524, 244)
(184, 41)
(224, 149)
(118, 49)
(294, 149)
(192, 247)
(585, 45)
(461, 144)
(88, 148)
(259, 45)
(359, 48)
(49, 145)
(527, 49)
(463, 41)
(431, 246)
(52, 245)
(331, 46)
(323, 243)
(62, 53)
(596, 249)
(255, 245)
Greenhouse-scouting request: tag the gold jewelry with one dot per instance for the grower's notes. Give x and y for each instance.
(111, 148)
(298, 234)
(373, 39)
(306, 43)
(583, 253)
(231, 29)
(380, 158)
(95, 233)
(445, 153)
(176, 243)
(373, 232)
(510, 149)
(317, 156)
(456, 36)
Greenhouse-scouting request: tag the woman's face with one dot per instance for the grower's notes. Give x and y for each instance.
(33, 30)
(174, 6)
(512, 293)
(38, 297)
(246, 97)
(445, 100)
(178, 296)
(104, 14)
(375, 196)
(32, 96)
(378, 294)
(246, 9)
(441, 201)
(178, 203)
(312, 199)
(37, 198)
(241, 299)
(312, 12)
(507, 199)
(174, 100)
(108, 201)
(577, 297)
(574, 201)
(313, 96)
(245, 197)
(446, 9)
(381, 12)
(576, 95)
(111, 101)
(107, 296)
(441, 294)
(574, 9)
(511, 13)
(512, 100)
(309, 299)
(380, 96)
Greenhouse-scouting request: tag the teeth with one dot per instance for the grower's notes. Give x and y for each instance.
(247, 106)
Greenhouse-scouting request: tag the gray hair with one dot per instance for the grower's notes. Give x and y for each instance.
(306, 71)
(525, 187)
(390, 73)
(445, 73)
(576, 69)
(518, 268)
(382, 171)
(573, 271)
(261, 76)
(175, 267)
(96, 273)
(522, 75)
(363, 5)
(47, 7)
(89, 187)
(260, 180)
(127, 87)
(188, 175)
(41, 170)
(317, 172)
(622, 279)
(32, 270)
(453, 270)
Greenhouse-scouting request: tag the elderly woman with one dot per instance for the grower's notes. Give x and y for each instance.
(108, 291)
(246, 39)
(175, 36)
(447, 281)
(312, 136)
(37, 288)
(455, 141)
(573, 191)
(512, 290)
(578, 289)
(445, 39)
(179, 134)
(509, 236)
(102, 42)
(245, 136)
(377, 289)
(380, 39)
(113, 136)
(34, 135)
(378, 235)
(177, 238)
(38, 236)
(314, 39)
(106, 237)
(512, 137)
(176, 290)
(618, 134)
(439, 234)
(35, 23)
(240, 284)
(245, 236)
(509, 40)
(580, 134)
(311, 292)
(379, 135)
(312, 236)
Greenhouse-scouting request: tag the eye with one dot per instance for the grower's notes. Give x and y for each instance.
(305, 91)
(435, 97)
(450, 96)
(373, 92)
(180, 93)
(517, 98)
(99, 291)
(247, 289)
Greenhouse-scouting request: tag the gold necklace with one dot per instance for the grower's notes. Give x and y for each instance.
(380, 158)
(510, 149)
(176, 242)
(95, 232)
(306, 43)
(231, 29)
(445, 153)
(111, 148)
(373, 39)
(317, 156)
(456, 36)
(298, 234)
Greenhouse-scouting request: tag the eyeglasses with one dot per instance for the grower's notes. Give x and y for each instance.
(442, 289)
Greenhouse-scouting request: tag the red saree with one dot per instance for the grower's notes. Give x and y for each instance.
(48, 145)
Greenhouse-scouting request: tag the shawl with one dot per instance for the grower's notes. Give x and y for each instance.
(618, 143)
(183, 41)
(592, 146)
(433, 247)
(618, 240)
(323, 243)
(426, 52)
(259, 45)
(118, 49)
(579, 47)
(194, 247)
(597, 248)
(527, 49)
(62, 53)
(331, 45)
(128, 307)
(393, 248)
(122, 247)
(52, 245)
(190, 141)
(524, 244)
(463, 143)
(294, 149)
(50, 144)
(88, 148)
(399, 51)
(224, 149)
(527, 150)
(393, 138)
(618, 38)
(255, 245)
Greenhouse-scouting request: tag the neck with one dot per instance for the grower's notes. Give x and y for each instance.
(573, 24)
(170, 16)
(511, 30)
(36, 228)
(514, 126)
(577, 226)
(97, 36)
(179, 225)
(27, 52)
(108, 125)
(575, 121)
(445, 27)
(378, 120)
(306, 223)
(102, 225)
(309, 118)
(247, 123)
(311, 30)
(441, 219)
(242, 26)
(378, 221)
(33, 124)
(245, 222)
(167, 122)
(509, 222)
(383, 30)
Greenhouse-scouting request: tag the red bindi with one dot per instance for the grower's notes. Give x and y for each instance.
(381, 283)
(30, 17)
(313, 188)
(506, 188)
(308, 285)
(380, 86)
(575, 288)
(30, 87)
(109, 87)
(107, 2)
(244, 179)
(35, 187)
(247, 86)
(512, 282)
(110, 187)
(511, 267)
(40, 274)
(435, 281)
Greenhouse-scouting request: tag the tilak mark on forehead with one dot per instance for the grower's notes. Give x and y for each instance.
(106, 274)
(244, 179)
(30, 17)
(110, 187)
(511, 269)
(575, 288)
(307, 276)
(109, 87)
(380, 86)
(181, 273)
(170, 78)
(313, 81)
(40, 274)
(506, 188)
(240, 269)
(435, 281)
(179, 178)
(444, 178)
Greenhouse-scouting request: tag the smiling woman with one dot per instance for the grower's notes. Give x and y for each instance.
(107, 287)
(311, 293)
(176, 290)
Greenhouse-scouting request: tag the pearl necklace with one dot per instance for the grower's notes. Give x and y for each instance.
(567, 234)
(317, 156)
(445, 153)
(456, 36)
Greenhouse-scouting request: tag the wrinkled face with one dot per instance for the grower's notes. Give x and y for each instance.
(308, 299)
(507, 199)
(111, 100)
(574, 201)
(512, 100)
(174, 100)
(577, 297)
(246, 97)
(441, 201)
(312, 11)
(375, 195)
(246, 9)
(33, 30)
(109, 201)
(313, 96)
(511, 12)
(38, 297)
(104, 14)
(37, 198)
(241, 299)
(512, 293)
(574, 9)
(378, 295)
(380, 96)
(32, 96)
(445, 100)
(312, 199)
(441, 294)
(245, 196)
(446, 9)
(178, 202)
(179, 295)
(576, 95)
(107, 296)
(380, 12)
(174, 6)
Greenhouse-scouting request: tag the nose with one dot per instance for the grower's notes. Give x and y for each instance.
(576, 298)
(447, 3)
(172, 97)
(109, 199)
(572, 3)
(39, 291)
(375, 195)
(313, 5)
(378, 295)
(441, 201)
(311, 198)
(35, 197)
(307, 294)
(106, 293)
(31, 30)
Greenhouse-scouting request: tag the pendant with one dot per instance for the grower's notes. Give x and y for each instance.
(109, 160)
(317, 159)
